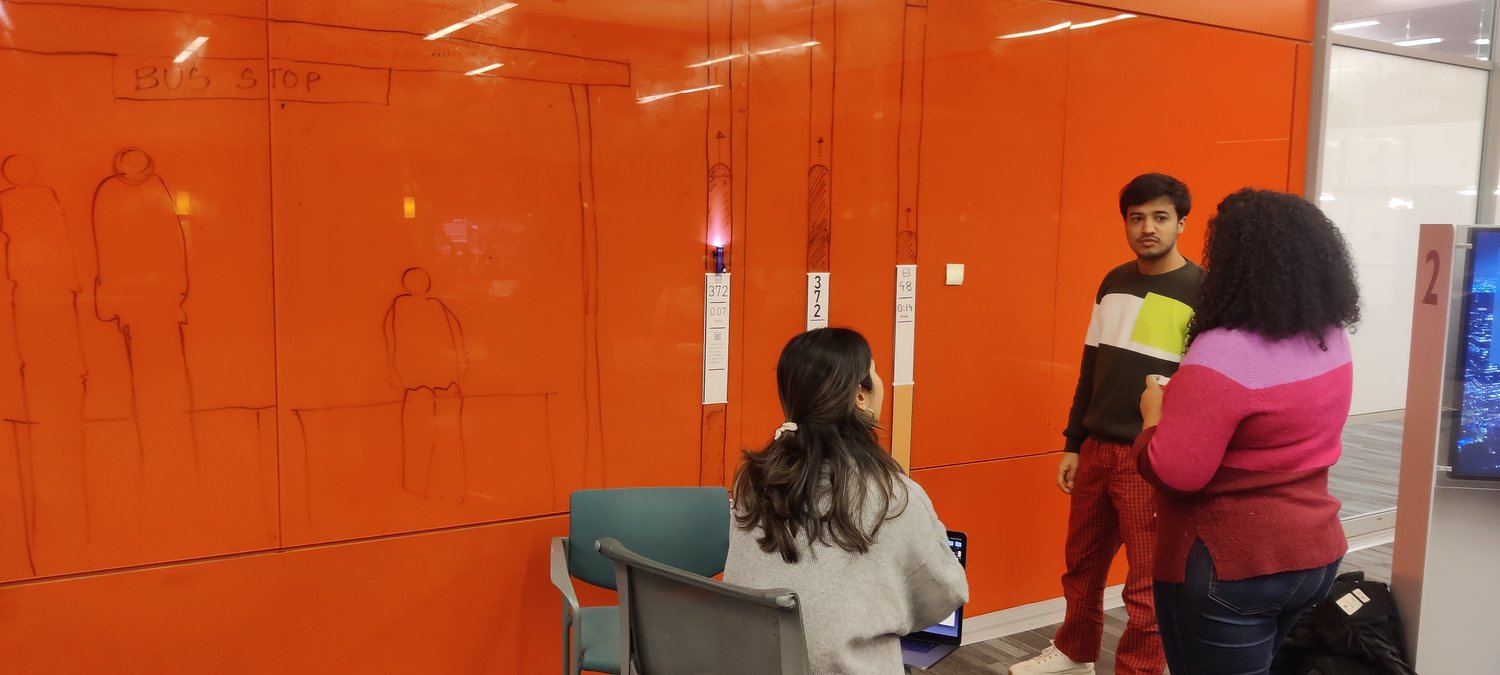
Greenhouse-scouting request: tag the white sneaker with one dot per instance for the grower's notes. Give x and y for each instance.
(1052, 662)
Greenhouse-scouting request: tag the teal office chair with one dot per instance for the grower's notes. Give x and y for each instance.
(674, 622)
(685, 527)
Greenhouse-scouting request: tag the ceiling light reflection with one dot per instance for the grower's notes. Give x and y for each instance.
(1101, 22)
(471, 21)
(657, 97)
(190, 49)
(483, 69)
(1039, 31)
(711, 62)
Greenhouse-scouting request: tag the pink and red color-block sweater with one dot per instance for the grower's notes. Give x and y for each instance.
(1240, 459)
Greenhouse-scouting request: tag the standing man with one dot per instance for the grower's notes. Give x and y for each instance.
(1139, 327)
(424, 341)
(41, 277)
(141, 286)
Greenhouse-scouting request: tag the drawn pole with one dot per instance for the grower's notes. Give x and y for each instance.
(594, 470)
(908, 179)
(821, 58)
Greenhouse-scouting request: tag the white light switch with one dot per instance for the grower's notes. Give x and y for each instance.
(955, 274)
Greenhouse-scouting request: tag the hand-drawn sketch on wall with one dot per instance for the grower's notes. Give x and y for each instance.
(158, 322)
(725, 137)
(142, 288)
(823, 73)
(714, 418)
(908, 202)
(42, 272)
(15, 524)
(594, 473)
(424, 341)
(909, 134)
(81, 483)
(425, 448)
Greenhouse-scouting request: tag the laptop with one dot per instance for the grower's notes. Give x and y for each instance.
(924, 648)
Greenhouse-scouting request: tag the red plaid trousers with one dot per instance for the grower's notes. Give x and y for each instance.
(1112, 505)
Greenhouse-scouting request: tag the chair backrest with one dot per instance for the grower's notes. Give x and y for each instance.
(673, 622)
(685, 527)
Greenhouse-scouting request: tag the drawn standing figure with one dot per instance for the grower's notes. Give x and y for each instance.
(44, 284)
(141, 287)
(425, 346)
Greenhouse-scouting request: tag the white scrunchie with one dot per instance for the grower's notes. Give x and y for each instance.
(785, 427)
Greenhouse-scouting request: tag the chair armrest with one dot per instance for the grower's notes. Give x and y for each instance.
(561, 579)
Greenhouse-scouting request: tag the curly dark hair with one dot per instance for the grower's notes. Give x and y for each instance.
(1276, 266)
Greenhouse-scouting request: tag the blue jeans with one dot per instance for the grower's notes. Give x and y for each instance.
(1213, 627)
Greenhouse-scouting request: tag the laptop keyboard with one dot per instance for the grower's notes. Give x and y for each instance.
(918, 646)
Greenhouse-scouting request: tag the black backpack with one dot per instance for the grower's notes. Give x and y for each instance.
(1356, 630)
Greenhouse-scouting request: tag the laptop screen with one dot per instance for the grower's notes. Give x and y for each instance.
(951, 628)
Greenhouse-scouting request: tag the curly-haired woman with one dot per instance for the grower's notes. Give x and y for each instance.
(1240, 443)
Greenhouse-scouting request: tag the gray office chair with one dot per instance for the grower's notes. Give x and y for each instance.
(687, 527)
(674, 622)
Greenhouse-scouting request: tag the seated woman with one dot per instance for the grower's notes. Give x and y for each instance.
(1247, 535)
(825, 512)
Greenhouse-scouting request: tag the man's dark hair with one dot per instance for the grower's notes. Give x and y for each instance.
(1151, 186)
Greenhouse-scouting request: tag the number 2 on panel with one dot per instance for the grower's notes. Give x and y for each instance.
(1436, 259)
(817, 308)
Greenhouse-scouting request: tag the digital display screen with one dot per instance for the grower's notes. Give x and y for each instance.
(1475, 451)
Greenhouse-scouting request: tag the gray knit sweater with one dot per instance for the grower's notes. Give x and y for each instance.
(855, 608)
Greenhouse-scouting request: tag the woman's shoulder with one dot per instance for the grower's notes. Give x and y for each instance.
(913, 487)
(1257, 361)
(912, 499)
(900, 495)
(1215, 341)
(1233, 340)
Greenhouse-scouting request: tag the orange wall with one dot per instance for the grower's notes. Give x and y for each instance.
(241, 433)
(1283, 18)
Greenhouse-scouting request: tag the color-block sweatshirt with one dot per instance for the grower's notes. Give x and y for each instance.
(1139, 328)
(1240, 460)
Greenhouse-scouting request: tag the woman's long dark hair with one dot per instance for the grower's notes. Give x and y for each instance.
(779, 489)
(1275, 266)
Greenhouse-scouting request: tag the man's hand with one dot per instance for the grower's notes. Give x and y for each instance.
(1066, 470)
(1151, 402)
